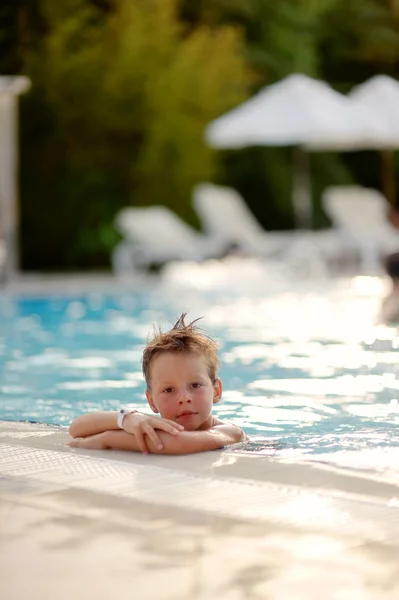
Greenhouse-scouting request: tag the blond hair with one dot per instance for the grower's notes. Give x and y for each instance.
(182, 338)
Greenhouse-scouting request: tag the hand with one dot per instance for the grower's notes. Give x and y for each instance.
(141, 425)
(94, 442)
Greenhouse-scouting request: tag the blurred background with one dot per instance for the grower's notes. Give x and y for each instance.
(122, 91)
(142, 136)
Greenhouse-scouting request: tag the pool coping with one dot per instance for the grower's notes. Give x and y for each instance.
(36, 442)
(91, 523)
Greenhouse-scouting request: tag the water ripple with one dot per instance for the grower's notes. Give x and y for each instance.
(305, 370)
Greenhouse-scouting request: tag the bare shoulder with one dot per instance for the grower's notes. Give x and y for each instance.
(229, 429)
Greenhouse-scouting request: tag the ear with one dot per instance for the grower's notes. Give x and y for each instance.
(151, 401)
(217, 391)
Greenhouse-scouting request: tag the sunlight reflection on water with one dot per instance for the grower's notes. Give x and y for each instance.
(304, 366)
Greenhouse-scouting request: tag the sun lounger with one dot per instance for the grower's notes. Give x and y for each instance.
(362, 215)
(156, 235)
(225, 215)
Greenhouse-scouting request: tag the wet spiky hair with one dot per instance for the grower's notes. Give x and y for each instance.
(182, 338)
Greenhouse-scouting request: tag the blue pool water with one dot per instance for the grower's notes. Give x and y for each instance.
(305, 371)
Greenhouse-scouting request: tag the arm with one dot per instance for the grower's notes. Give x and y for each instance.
(92, 423)
(142, 426)
(187, 442)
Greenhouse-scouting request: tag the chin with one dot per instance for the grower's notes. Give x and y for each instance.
(191, 427)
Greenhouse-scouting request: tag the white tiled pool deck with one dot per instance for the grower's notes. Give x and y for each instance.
(80, 524)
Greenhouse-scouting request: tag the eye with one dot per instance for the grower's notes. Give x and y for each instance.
(168, 390)
(196, 385)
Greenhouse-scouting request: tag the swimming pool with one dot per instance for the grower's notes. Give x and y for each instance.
(306, 373)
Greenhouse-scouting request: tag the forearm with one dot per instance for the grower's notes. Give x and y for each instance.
(93, 423)
(186, 442)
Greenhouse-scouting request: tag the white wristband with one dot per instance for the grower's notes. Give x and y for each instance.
(122, 414)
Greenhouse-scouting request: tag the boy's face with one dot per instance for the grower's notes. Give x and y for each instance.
(181, 389)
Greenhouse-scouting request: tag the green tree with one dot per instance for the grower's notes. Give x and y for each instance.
(122, 90)
(361, 39)
(282, 37)
(128, 92)
(202, 79)
(342, 41)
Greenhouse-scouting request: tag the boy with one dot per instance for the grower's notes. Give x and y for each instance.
(180, 369)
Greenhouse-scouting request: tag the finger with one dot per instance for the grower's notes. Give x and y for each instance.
(141, 442)
(173, 423)
(153, 436)
(176, 425)
(168, 426)
(76, 443)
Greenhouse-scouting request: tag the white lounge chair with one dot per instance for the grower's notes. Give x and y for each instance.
(225, 215)
(156, 235)
(362, 215)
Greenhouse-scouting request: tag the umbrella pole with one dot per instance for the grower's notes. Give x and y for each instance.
(301, 190)
(388, 176)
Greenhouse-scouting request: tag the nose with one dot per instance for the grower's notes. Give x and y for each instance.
(184, 396)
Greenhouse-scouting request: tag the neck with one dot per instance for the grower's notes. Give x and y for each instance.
(207, 424)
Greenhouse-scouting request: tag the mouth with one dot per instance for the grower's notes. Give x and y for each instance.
(186, 413)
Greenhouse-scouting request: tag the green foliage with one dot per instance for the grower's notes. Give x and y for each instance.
(368, 40)
(282, 37)
(201, 79)
(342, 41)
(123, 89)
(128, 93)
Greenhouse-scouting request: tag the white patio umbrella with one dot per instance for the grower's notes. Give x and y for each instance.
(297, 111)
(380, 95)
